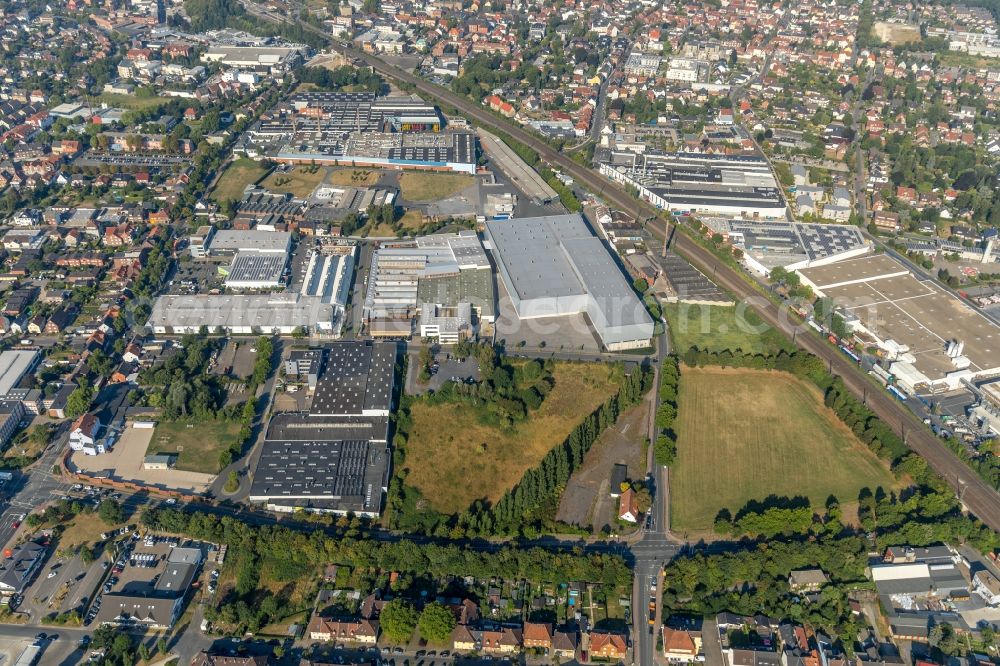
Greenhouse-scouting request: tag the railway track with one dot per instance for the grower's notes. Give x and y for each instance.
(977, 496)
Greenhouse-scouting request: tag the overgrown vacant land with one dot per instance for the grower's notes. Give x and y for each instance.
(721, 327)
(455, 459)
(747, 434)
(197, 445)
(423, 186)
(239, 174)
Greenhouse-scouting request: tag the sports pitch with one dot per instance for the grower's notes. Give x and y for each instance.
(747, 434)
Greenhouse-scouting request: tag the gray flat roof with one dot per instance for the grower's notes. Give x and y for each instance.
(250, 240)
(260, 310)
(14, 364)
(249, 268)
(344, 475)
(301, 427)
(555, 264)
(529, 247)
(357, 379)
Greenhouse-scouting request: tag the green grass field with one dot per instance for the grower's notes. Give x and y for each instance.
(299, 182)
(237, 176)
(353, 177)
(720, 327)
(454, 459)
(747, 434)
(424, 186)
(197, 447)
(131, 101)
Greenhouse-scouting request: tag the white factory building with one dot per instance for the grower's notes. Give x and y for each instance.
(554, 266)
(318, 307)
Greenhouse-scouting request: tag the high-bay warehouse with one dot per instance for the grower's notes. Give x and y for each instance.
(699, 183)
(554, 266)
(335, 457)
(359, 129)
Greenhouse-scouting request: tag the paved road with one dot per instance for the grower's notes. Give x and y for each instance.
(248, 461)
(34, 486)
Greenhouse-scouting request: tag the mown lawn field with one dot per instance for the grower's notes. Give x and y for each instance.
(424, 186)
(353, 177)
(197, 447)
(747, 434)
(721, 327)
(135, 102)
(236, 177)
(453, 459)
(299, 182)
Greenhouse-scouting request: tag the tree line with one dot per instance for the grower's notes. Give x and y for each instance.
(261, 369)
(302, 551)
(340, 78)
(181, 386)
(530, 505)
(506, 393)
(665, 446)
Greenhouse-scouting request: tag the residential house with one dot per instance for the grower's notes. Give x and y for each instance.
(538, 635)
(564, 644)
(83, 435)
(464, 639)
(885, 220)
(206, 658)
(353, 631)
(680, 647)
(504, 641)
(628, 507)
(466, 611)
(19, 567)
(807, 580)
(987, 586)
(12, 412)
(605, 645)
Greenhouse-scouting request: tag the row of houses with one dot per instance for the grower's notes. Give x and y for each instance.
(471, 635)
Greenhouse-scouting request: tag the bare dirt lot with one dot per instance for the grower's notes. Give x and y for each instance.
(586, 500)
(896, 33)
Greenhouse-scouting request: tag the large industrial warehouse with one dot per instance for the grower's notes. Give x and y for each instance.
(934, 340)
(335, 458)
(554, 266)
(695, 183)
(360, 129)
(440, 271)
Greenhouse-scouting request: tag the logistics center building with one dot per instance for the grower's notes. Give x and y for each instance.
(554, 266)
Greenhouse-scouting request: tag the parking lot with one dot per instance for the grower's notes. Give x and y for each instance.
(125, 463)
(236, 359)
(56, 648)
(570, 332)
(444, 369)
(62, 585)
